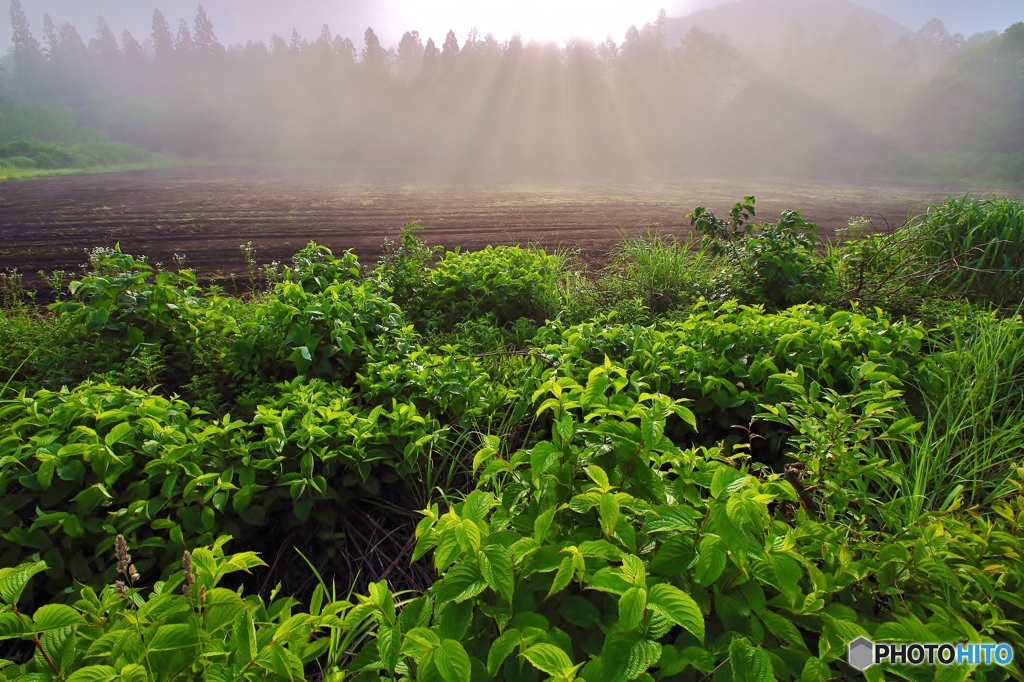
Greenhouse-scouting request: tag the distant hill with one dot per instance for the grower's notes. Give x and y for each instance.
(752, 23)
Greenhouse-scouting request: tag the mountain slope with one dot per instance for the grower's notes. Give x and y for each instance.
(752, 23)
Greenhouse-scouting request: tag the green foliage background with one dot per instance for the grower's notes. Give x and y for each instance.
(718, 460)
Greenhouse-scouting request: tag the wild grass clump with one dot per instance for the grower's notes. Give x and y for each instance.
(973, 430)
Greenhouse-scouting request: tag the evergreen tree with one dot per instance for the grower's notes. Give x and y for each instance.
(104, 45)
(450, 49)
(163, 41)
(375, 57)
(131, 48)
(49, 36)
(431, 56)
(28, 57)
(410, 55)
(345, 50)
(183, 43)
(205, 40)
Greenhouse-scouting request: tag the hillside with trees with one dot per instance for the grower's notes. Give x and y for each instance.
(838, 92)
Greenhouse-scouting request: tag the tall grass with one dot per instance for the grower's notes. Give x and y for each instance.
(974, 433)
(983, 242)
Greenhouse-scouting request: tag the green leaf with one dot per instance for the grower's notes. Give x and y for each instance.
(174, 637)
(118, 434)
(543, 455)
(419, 642)
(787, 576)
(55, 617)
(723, 478)
(452, 662)
(678, 607)
(496, 568)
(749, 664)
(631, 608)
(93, 673)
(276, 659)
(610, 513)
(550, 659)
(543, 522)
(563, 577)
(815, 671)
(500, 650)
(626, 656)
(11, 625)
(710, 562)
(14, 580)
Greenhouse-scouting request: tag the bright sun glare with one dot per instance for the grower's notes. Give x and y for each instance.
(542, 20)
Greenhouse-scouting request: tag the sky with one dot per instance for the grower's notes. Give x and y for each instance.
(238, 20)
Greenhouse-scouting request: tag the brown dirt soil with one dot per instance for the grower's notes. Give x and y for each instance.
(206, 213)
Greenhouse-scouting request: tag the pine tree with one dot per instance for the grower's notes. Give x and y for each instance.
(49, 36)
(104, 45)
(131, 48)
(374, 56)
(431, 56)
(183, 43)
(28, 57)
(450, 49)
(205, 40)
(163, 41)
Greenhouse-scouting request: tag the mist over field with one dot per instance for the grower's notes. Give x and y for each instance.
(781, 87)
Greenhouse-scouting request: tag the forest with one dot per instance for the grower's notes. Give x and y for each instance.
(851, 102)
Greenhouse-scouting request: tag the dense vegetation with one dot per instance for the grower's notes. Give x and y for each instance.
(34, 137)
(801, 102)
(721, 459)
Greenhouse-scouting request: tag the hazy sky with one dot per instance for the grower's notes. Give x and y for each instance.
(238, 20)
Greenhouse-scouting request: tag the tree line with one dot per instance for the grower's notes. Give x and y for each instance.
(808, 104)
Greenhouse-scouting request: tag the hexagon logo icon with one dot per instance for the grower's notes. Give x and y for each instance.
(861, 654)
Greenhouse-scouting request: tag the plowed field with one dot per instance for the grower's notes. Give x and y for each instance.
(206, 213)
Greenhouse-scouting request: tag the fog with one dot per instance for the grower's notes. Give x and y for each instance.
(781, 87)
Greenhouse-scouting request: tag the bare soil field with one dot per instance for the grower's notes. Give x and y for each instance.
(206, 213)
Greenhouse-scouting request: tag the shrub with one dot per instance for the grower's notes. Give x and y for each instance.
(779, 266)
(507, 281)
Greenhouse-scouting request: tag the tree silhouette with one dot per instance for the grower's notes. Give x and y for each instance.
(450, 49)
(375, 57)
(205, 40)
(28, 57)
(183, 43)
(163, 41)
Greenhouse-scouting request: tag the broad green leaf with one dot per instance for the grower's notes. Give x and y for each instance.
(501, 648)
(496, 568)
(723, 478)
(93, 673)
(543, 455)
(710, 563)
(452, 661)
(563, 577)
(418, 642)
(11, 625)
(815, 671)
(678, 607)
(14, 580)
(749, 664)
(276, 659)
(631, 608)
(550, 659)
(173, 637)
(55, 617)
(609, 510)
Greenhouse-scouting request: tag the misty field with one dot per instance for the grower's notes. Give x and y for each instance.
(206, 213)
